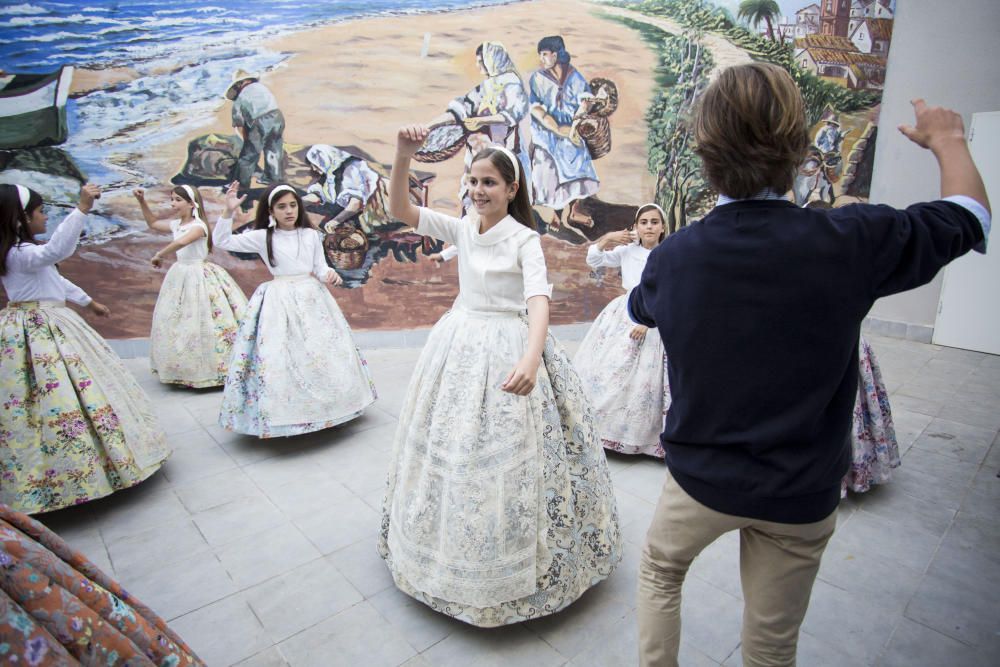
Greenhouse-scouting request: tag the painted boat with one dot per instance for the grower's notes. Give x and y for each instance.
(33, 108)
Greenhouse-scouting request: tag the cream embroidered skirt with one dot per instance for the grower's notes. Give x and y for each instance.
(195, 321)
(294, 367)
(498, 508)
(626, 382)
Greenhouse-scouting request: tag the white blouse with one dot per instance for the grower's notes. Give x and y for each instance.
(497, 271)
(296, 252)
(192, 252)
(631, 258)
(31, 272)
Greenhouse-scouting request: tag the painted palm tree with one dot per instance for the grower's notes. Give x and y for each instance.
(755, 11)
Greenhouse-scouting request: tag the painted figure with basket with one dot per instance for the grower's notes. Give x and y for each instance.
(74, 423)
(295, 367)
(499, 505)
(562, 167)
(494, 112)
(199, 306)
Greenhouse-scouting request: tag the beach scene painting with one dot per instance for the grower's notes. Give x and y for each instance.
(592, 97)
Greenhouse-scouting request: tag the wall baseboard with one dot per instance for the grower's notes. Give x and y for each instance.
(921, 333)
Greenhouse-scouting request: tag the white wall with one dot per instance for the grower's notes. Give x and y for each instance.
(949, 54)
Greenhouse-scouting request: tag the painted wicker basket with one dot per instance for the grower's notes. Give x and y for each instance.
(593, 127)
(346, 247)
(443, 142)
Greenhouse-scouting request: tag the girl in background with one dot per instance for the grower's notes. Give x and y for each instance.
(499, 505)
(199, 307)
(74, 424)
(295, 367)
(622, 364)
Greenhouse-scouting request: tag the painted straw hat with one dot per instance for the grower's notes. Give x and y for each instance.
(238, 76)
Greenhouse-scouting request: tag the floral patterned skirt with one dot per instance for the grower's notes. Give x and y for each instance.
(498, 508)
(195, 321)
(58, 608)
(295, 367)
(74, 423)
(625, 381)
(874, 449)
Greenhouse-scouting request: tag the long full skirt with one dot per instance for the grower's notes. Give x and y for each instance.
(874, 449)
(195, 322)
(74, 423)
(295, 368)
(58, 608)
(625, 381)
(498, 508)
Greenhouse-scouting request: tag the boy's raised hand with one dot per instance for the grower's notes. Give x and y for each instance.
(934, 125)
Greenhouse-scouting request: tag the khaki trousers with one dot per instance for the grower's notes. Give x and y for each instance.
(778, 564)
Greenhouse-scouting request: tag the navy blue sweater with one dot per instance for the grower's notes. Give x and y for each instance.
(759, 306)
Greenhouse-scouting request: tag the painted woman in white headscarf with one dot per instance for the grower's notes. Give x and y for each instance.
(498, 105)
(346, 183)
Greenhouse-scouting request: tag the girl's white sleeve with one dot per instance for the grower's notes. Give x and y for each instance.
(74, 293)
(320, 268)
(223, 237)
(438, 225)
(603, 258)
(61, 245)
(535, 275)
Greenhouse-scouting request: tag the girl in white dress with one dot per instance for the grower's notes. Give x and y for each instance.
(74, 423)
(295, 367)
(622, 364)
(199, 307)
(499, 506)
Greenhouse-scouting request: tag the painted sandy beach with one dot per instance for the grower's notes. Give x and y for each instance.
(363, 79)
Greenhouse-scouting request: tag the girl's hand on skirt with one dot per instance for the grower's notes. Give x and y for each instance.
(638, 333)
(99, 309)
(521, 380)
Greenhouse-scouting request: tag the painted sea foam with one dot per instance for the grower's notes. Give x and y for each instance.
(184, 53)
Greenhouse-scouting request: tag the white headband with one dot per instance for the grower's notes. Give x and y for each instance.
(663, 216)
(194, 201)
(24, 194)
(271, 222)
(512, 158)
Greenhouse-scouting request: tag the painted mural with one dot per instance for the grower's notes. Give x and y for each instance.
(592, 97)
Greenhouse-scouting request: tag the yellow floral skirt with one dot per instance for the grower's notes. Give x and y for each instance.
(74, 423)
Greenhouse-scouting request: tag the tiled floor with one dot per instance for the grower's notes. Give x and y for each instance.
(263, 552)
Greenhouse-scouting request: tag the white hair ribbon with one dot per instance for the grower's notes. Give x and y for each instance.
(194, 201)
(24, 194)
(512, 158)
(271, 222)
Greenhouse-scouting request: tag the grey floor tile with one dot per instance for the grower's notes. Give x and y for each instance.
(356, 636)
(219, 489)
(645, 479)
(258, 557)
(322, 496)
(223, 633)
(850, 621)
(811, 652)
(624, 581)
(301, 598)
(596, 610)
(418, 624)
(349, 521)
(889, 501)
(959, 441)
(948, 603)
(885, 583)
(269, 658)
(506, 646)
(616, 646)
(711, 618)
(159, 545)
(237, 519)
(887, 540)
(363, 567)
(174, 589)
(200, 458)
(915, 645)
(908, 425)
(136, 510)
